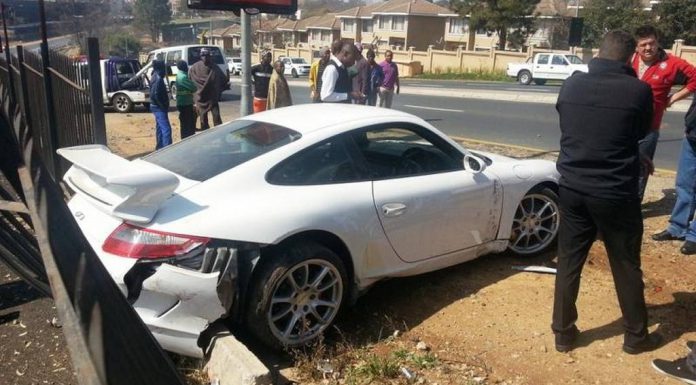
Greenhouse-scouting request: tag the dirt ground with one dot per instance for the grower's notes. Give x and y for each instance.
(479, 322)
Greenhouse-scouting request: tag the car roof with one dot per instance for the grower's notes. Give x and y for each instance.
(307, 118)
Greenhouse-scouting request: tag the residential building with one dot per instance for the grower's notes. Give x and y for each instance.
(396, 23)
(228, 39)
(322, 30)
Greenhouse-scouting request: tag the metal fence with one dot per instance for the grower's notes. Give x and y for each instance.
(39, 239)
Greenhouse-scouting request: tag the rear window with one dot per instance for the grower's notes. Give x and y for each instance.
(195, 55)
(217, 150)
(299, 61)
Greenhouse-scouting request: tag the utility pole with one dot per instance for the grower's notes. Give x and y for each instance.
(245, 92)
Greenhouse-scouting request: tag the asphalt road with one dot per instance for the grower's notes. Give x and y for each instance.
(532, 125)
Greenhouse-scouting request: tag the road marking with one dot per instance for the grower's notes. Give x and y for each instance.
(432, 108)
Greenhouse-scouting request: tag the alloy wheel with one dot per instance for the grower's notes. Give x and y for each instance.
(535, 224)
(305, 301)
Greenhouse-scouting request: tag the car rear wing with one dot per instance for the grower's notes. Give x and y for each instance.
(130, 190)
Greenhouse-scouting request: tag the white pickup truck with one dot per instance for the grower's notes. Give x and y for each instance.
(546, 66)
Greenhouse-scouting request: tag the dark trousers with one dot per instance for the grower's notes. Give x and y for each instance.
(621, 224)
(217, 120)
(187, 121)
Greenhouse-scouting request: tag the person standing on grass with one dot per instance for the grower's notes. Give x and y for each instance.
(390, 84)
(159, 105)
(184, 100)
(278, 90)
(210, 81)
(661, 71)
(375, 78)
(603, 114)
(315, 74)
(261, 76)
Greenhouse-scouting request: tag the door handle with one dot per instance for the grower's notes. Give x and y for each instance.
(393, 209)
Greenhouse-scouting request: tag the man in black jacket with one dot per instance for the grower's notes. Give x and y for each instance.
(603, 115)
(159, 104)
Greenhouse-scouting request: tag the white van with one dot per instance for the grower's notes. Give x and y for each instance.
(191, 54)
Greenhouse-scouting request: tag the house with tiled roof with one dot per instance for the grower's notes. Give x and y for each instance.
(398, 23)
(322, 30)
(228, 39)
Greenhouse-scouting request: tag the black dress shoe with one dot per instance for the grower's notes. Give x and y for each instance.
(652, 342)
(566, 342)
(666, 236)
(688, 248)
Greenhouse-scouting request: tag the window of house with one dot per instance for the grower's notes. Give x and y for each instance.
(385, 22)
(481, 31)
(348, 25)
(398, 23)
(326, 36)
(367, 25)
(456, 26)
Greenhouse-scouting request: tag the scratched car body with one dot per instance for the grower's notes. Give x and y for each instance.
(280, 219)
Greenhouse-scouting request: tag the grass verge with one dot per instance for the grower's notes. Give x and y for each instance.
(480, 75)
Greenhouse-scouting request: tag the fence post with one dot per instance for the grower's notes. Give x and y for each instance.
(95, 91)
(54, 164)
(24, 101)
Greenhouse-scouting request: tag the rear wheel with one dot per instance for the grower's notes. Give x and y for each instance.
(535, 226)
(122, 103)
(524, 77)
(296, 295)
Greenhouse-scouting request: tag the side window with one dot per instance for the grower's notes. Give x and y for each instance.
(159, 56)
(559, 60)
(543, 59)
(405, 150)
(173, 57)
(325, 163)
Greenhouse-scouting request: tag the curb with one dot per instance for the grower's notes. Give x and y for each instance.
(232, 363)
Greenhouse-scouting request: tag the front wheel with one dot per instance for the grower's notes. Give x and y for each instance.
(294, 73)
(535, 225)
(524, 77)
(296, 295)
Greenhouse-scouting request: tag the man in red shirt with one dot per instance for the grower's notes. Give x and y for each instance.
(661, 71)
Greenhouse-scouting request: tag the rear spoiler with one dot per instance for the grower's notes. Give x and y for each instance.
(130, 190)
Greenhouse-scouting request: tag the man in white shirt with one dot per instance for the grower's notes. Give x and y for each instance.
(336, 85)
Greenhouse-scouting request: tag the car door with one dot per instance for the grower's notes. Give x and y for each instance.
(541, 67)
(560, 68)
(427, 203)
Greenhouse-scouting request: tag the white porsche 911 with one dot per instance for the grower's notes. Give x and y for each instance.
(279, 219)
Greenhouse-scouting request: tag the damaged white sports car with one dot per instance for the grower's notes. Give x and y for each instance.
(280, 219)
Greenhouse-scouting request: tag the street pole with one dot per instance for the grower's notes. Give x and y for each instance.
(245, 92)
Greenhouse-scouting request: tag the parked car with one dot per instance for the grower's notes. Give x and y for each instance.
(191, 54)
(546, 66)
(295, 66)
(278, 221)
(122, 87)
(234, 65)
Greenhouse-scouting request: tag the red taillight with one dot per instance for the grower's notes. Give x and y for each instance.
(136, 242)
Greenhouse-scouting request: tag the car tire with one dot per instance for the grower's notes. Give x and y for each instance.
(524, 77)
(122, 103)
(535, 225)
(540, 82)
(172, 90)
(295, 295)
(294, 73)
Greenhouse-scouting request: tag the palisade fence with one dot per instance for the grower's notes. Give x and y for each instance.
(46, 104)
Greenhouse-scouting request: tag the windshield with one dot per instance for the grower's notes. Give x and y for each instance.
(299, 60)
(574, 59)
(217, 150)
(195, 55)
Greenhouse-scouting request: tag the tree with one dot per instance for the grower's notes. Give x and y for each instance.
(151, 15)
(498, 16)
(121, 44)
(676, 20)
(602, 16)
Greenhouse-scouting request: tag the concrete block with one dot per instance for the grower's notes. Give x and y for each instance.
(231, 363)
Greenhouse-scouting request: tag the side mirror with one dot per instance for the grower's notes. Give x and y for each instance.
(474, 164)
